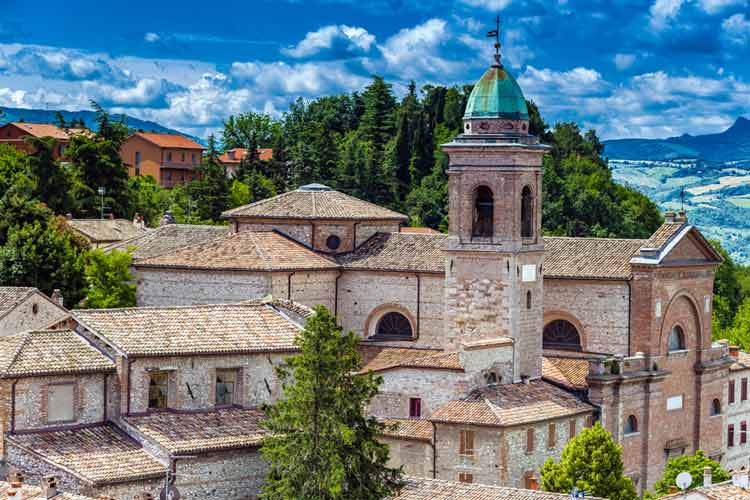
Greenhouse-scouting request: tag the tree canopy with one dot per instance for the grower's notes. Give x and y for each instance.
(693, 464)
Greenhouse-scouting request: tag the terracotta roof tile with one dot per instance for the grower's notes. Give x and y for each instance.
(204, 329)
(12, 296)
(436, 489)
(569, 372)
(315, 202)
(720, 491)
(243, 251)
(664, 234)
(49, 130)
(512, 404)
(406, 252)
(101, 454)
(408, 428)
(170, 140)
(419, 230)
(589, 258)
(264, 154)
(386, 358)
(167, 238)
(50, 352)
(742, 362)
(225, 429)
(106, 230)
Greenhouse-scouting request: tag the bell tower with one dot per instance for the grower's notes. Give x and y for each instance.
(495, 251)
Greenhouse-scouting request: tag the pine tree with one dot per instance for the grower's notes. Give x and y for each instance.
(211, 191)
(592, 462)
(377, 123)
(322, 446)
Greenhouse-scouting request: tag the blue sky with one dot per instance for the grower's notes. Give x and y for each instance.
(628, 68)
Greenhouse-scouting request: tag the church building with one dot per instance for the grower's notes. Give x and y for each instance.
(496, 344)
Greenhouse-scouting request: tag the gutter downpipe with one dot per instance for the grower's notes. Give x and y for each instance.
(13, 407)
(354, 242)
(419, 291)
(630, 297)
(434, 450)
(130, 365)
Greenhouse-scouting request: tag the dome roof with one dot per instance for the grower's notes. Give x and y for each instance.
(497, 95)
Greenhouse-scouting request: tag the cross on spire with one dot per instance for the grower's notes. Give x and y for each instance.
(496, 35)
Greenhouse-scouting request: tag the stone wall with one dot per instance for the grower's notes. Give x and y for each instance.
(229, 475)
(366, 230)
(23, 317)
(433, 387)
(414, 455)
(166, 287)
(599, 309)
(256, 382)
(735, 413)
(308, 288)
(300, 231)
(364, 297)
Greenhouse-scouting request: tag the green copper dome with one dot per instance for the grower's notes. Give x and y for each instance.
(497, 95)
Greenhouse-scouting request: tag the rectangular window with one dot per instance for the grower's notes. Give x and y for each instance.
(572, 430)
(193, 157)
(589, 421)
(731, 392)
(137, 159)
(529, 440)
(169, 156)
(182, 158)
(415, 407)
(730, 436)
(466, 443)
(61, 403)
(551, 436)
(743, 432)
(158, 389)
(465, 477)
(674, 402)
(226, 381)
(528, 273)
(743, 390)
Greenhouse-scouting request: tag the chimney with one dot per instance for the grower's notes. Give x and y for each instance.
(15, 479)
(669, 217)
(111, 216)
(12, 493)
(734, 351)
(706, 477)
(57, 297)
(681, 216)
(49, 487)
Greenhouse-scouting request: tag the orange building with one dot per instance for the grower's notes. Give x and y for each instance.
(15, 134)
(172, 159)
(232, 157)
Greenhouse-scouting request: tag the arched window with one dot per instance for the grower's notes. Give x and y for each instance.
(394, 325)
(484, 207)
(491, 378)
(715, 407)
(631, 425)
(561, 334)
(528, 300)
(676, 339)
(527, 213)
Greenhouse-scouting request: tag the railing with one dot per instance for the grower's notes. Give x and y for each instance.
(182, 165)
(619, 365)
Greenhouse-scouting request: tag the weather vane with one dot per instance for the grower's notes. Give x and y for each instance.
(496, 35)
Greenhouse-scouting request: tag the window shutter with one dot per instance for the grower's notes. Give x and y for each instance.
(743, 432)
(743, 390)
(730, 436)
(731, 391)
(551, 436)
(530, 440)
(572, 431)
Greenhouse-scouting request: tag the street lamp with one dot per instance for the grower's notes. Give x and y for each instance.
(101, 192)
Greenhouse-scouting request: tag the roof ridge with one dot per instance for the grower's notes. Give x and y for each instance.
(594, 238)
(256, 203)
(167, 308)
(25, 336)
(258, 250)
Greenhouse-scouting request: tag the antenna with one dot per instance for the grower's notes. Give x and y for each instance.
(496, 35)
(684, 480)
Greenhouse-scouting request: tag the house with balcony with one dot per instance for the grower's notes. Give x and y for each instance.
(16, 134)
(171, 159)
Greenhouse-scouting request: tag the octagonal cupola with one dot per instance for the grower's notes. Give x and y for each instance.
(496, 105)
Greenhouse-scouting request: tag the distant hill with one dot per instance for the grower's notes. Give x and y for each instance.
(731, 145)
(89, 117)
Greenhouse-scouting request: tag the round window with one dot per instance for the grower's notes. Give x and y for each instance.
(333, 242)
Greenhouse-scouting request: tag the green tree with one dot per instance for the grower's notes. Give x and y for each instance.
(321, 444)
(249, 130)
(52, 180)
(147, 198)
(694, 464)
(109, 280)
(592, 462)
(211, 191)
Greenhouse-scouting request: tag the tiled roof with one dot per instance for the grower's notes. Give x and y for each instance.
(106, 230)
(512, 404)
(742, 362)
(569, 372)
(48, 130)
(179, 433)
(12, 296)
(408, 428)
(720, 491)
(437, 489)
(243, 251)
(170, 140)
(264, 154)
(385, 358)
(101, 454)
(315, 202)
(406, 252)
(663, 234)
(203, 329)
(25, 492)
(167, 238)
(419, 230)
(50, 352)
(589, 258)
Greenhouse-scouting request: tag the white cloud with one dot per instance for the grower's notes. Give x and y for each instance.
(624, 61)
(577, 82)
(715, 6)
(147, 92)
(339, 38)
(151, 37)
(306, 79)
(491, 5)
(663, 11)
(737, 29)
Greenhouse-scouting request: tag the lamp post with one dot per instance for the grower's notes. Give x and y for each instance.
(101, 192)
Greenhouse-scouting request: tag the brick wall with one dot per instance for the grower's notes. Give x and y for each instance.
(599, 308)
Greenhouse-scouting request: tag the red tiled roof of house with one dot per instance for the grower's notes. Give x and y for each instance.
(512, 404)
(185, 433)
(438, 489)
(386, 358)
(408, 428)
(721, 491)
(589, 258)
(567, 371)
(176, 141)
(47, 130)
(264, 154)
